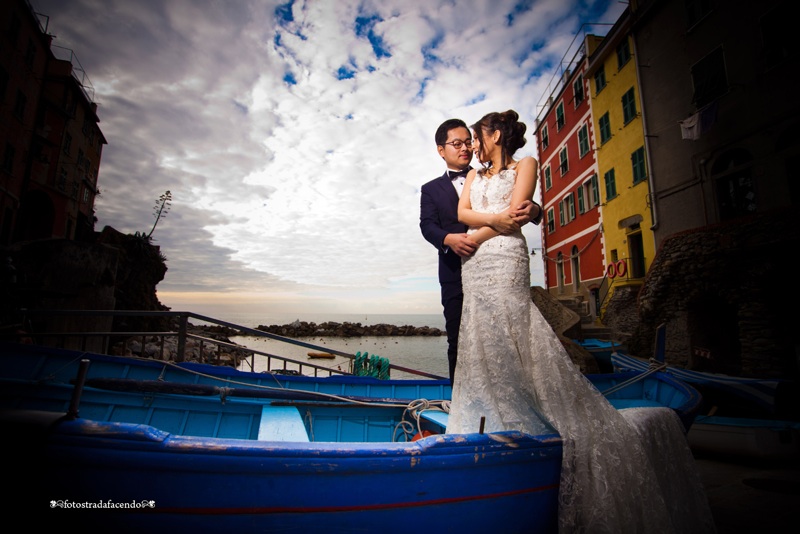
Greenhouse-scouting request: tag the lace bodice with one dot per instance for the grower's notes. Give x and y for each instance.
(492, 194)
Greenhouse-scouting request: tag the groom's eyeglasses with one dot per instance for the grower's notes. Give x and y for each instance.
(458, 143)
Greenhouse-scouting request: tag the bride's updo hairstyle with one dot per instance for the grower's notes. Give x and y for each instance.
(512, 133)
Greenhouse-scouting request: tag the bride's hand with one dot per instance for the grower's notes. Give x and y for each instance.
(505, 224)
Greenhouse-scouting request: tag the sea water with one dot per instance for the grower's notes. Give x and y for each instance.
(423, 353)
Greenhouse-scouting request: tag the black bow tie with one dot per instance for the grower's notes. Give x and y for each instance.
(457, 174)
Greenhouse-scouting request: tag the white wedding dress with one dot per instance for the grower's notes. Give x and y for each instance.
(512, 368)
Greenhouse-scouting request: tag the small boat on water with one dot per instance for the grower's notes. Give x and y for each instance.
(194, 446)
(323, 355)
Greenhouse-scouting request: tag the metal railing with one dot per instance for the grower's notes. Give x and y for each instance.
(82, 340)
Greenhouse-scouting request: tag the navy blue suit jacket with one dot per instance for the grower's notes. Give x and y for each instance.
(439, 217)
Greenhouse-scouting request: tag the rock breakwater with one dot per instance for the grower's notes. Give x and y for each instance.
(346, 329)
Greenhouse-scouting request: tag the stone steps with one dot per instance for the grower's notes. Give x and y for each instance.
(589, 327)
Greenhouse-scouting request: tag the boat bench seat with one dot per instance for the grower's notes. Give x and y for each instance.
(281, 423)
(436, 416)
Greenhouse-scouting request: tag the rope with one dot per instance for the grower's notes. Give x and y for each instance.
(655, 366)
(374, 366)
(414, 410)
(280, 387)
(53, 374)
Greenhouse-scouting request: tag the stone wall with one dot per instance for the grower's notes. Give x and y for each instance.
(727, 296)
(622, 313)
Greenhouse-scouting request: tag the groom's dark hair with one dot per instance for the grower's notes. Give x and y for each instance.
(446, 126)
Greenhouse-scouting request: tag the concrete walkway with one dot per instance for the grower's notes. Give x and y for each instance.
(752, 496)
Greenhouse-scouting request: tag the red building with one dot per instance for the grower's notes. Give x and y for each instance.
(572, 228)
(49, 136)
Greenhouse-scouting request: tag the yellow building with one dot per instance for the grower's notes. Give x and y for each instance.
(628, 241)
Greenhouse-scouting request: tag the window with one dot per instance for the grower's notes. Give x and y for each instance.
(30, 53)
(13, 29)
(8, 159)
(548, 178)
(19, 105)
(628, 106)
(545, 137)
(623, 53)
(67, 143)
(564, 161)
(605, 128)
(639, 169)
(611, 185)
(577, 89)
(560, 115)
(599, 79)
(62, 180)
(735, 184)
(3, 83)
(561, 210)
(709, 78)
(583, 140)
(696, 10)
(776, 32)
(569, 207)
(551, 221)
(588, 196)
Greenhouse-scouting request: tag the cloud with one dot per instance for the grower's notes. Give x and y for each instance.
(295, 136)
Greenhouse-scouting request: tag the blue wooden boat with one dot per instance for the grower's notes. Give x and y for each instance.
(207, 448)
(742, 418)
(745, 437)
(757, 391)
(601, 350)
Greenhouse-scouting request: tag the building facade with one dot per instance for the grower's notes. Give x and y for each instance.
(722, 117)
(571, 231)
(721, 124)
(628, 242)
(49, 135)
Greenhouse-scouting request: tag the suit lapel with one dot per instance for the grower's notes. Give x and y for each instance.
(447, 187)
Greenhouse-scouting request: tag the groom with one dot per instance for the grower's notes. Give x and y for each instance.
(438, 221)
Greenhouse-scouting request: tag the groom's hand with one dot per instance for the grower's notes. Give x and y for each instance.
(461, 244)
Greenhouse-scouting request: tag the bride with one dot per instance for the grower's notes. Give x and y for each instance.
(512, 366)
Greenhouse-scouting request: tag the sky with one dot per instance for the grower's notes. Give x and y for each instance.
(294, 136)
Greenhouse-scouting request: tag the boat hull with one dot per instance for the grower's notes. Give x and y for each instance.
(447, 483)
(745, 437)
(186, 458)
